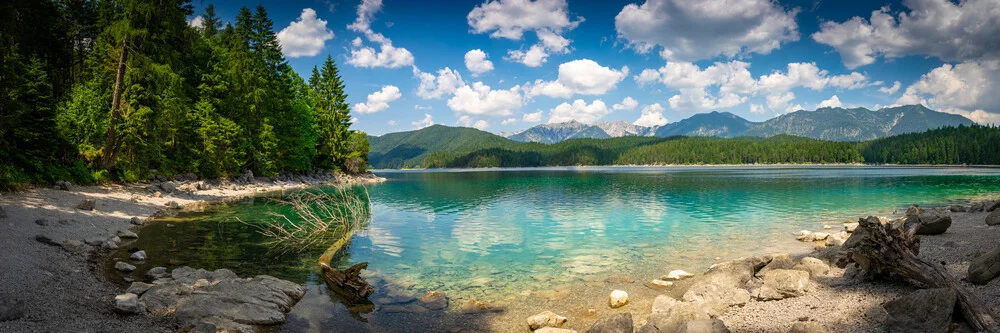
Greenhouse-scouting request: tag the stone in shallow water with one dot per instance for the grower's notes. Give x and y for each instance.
(407, 308)
(617, 299)
(434, 300)
(138, 255)
(125, 233)
(124, 266)
(545, 319)
(677, 274)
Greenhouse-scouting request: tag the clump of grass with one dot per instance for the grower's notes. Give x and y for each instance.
(317, 218)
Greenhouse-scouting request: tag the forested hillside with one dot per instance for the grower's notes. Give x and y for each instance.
(974, 144)
(408, 149)
(120, 89)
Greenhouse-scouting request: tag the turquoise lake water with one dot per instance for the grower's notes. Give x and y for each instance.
(501, 235)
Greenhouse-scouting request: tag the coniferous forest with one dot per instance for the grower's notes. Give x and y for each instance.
(95, 90)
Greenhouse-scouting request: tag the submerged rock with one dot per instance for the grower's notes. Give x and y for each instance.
(129, 304)
(927, 310)
(434, 300)
(618, 323)
(124, 266)
(985, 267)
(618, 299)
(474, 306)
(545, 319)
(157, 272)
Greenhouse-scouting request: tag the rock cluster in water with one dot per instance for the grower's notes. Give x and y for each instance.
(213, 300)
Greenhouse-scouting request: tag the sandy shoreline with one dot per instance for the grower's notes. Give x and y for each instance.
(59, 287)
(64, 290)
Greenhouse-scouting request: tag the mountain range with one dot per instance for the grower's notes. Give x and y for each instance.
(409, 149)
(834, 124)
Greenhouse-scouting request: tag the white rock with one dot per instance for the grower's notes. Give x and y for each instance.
(850, 227)
(125, 233)
(129, 304)
(827, 227)
(837, 239)
(802, 232)
(124, 267)
(661, 283)
(677, 274)
(806, 238)
(545, 319)
(821, 235)
(138, 255)
(618, 299)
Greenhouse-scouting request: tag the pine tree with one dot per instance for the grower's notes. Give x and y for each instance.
(332, 115)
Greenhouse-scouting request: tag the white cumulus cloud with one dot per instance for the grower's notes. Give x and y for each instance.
(532, 117)
(379, 100)
(949, 30)
(196, 22)
(695, 30)
(467, 121)
(964, 88)
(426, 122)
(891, 90)
(583, 77)
(833, 102)
(444, 83)
(628, 103)
(579, 111)
(510, 19)
(652, 115)
(480, 100)
(387, 55)
(304, 37)
(476, 62)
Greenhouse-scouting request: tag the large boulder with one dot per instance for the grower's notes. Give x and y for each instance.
(993, 207)
(783, 283)
(837, 239)
(993, 218)
(814, 266)
(222, 299)
(704, 326)
(780, 261)
(662, 304)
(86, 204)
(931, 221)
(985, 267)
(724, 282)
(545, 319)
(927, 310)
(674, 319)
(618, 323)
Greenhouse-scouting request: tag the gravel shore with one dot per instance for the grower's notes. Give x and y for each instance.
(58, 286)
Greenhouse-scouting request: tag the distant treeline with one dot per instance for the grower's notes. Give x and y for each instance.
(976, 144)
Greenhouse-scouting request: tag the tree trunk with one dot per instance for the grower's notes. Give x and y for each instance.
(883, 248)
(348, 283)
(111, 142)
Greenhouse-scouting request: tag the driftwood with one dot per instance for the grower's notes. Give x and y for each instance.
(348, 283)
(883, 248)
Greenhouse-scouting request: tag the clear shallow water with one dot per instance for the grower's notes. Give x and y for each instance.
(498, 235)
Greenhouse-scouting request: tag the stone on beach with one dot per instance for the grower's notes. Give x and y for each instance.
(124, 266)
(725, 282)
(851, 226)
(545, 319)
(662, 304)
(125, 233)
(618, 299)
(135, 221)
(157, 272)
(138, 288)
(931, 221)
(674, 318)
(813, 266)
(807, 327)
(926, 310)
(993, 218)
(837, 239)
(129, 304)
(618, 323)
(780, 261)
(661, 283)
(677, 274)
(86, 204)
(985, 267)
(783, 283)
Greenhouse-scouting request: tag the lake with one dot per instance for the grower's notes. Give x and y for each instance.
(559, 239)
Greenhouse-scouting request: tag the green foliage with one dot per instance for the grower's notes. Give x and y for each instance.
(950, 145)
(210, 100)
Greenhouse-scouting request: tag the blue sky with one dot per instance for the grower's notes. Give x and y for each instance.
(410, 63)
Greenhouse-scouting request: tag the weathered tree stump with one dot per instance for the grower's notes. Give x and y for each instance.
(883, 248)
(348, 283)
